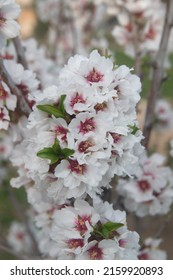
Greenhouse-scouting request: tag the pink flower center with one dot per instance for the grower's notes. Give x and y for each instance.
(94, 76)
(143, 256)
(78, 98)
(23, 88)
(20, 235)
(100, 106)
(162, 111)
(2, 149)
(75, 243)
(151, 33)
(129, 27)
(87, 126)
(95, 253)
(144, 185)
(80, 223)
(2, 115)
(122, 243)
(84, 145)
(3, 93)
(116, 137)
(76, 167)
(62, 132)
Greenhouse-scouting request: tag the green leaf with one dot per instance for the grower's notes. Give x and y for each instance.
(133, 128)
(56, 147)
(67, 152)
(110, 226)
(51, 109)
(61, 105)
(106, 229)
(48, 153)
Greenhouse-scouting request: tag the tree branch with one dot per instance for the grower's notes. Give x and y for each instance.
(158, 72)
(24, 106)
(20, 52)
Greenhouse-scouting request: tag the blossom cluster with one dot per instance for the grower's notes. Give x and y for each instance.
(85, 131)
(150, 250)
(140, 24)
(151, 192)
(79, 135)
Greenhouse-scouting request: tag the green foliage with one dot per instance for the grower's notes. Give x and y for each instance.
(107, 229)
(55, 153)
(51, 110)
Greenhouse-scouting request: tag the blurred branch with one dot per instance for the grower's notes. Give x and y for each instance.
(11, 252)
(158, 73)
(164, 225)
(24, 106)
(20, 52)
(20, 212)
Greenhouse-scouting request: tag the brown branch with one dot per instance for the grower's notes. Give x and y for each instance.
(20, 52)
(158, 72)
(24, 106)
(164, 225)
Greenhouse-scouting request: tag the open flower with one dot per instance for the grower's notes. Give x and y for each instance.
(9, 28)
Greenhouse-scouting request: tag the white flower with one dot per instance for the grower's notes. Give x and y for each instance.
(94, 71)
(77, 231)
(6, 98)
(19, 239)
(9, 28)
(151, 193)
(150, 250)
(163, 115)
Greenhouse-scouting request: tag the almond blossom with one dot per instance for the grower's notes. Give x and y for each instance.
(9, 28)
(151, 192)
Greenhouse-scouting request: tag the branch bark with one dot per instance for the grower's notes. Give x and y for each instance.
(158, 72)
(20, 52)
(24, 106)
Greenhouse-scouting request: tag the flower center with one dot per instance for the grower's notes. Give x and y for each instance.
(143, 185)
(2, 115)
(151, 33)
(3, 93)
(23, 88)
(122, 243)
(76, 167)
(61, 131)
(116, 137)
(100, 106)
(75, 243)
(143, 256)
(95, 253)
(87, 126)
(80, 224)
(94, 76)
(20, 236)
(78, 98)
(84, 145)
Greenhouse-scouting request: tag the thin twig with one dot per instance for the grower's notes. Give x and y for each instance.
(164, 225)
(24, 106)
(158, 72)
(11, 252)
(20, 52)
